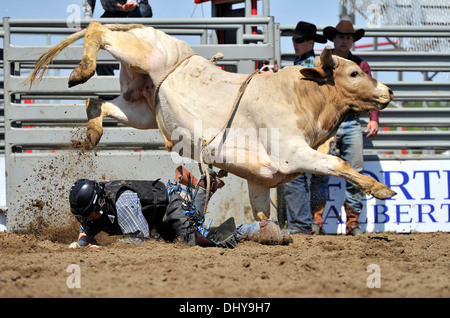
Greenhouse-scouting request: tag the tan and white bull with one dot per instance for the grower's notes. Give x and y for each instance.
(283, 117)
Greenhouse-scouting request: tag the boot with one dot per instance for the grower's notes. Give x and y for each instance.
(317, 227)
(187, 179)
(352, 225)
(222, 236)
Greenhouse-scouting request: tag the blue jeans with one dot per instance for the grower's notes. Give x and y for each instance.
(302, 199)
(142, 11)
(349, 147)
(297, 201)
(200, 199)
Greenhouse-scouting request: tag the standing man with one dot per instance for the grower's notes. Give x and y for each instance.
(119, 9)
(296, 192)
(348, 143)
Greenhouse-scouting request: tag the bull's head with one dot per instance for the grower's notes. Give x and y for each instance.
(354, 87)
(322, 73)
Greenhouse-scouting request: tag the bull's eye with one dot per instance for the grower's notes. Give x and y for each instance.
(354, 74)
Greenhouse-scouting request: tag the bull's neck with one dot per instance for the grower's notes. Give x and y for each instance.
(331, 113)
(335, 110)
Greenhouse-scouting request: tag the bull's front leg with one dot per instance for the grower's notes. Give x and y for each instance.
(368, 184)
(308, 160)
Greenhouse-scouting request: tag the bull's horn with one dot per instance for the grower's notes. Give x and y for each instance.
(326, 58)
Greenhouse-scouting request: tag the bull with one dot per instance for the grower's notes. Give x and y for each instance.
(286, 117)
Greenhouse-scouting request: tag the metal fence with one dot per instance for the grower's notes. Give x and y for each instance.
(38, 136)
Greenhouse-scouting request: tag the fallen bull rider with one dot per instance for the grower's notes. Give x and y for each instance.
(134, 208)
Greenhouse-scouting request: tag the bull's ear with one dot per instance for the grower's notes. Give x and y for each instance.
(316, 74)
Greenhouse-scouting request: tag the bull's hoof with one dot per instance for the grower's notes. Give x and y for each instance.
(92, 139)
(382, 192)
(73, 82)
(261, 216)
(93, 136)
(270, 234)
(80, 75)
(75, 78)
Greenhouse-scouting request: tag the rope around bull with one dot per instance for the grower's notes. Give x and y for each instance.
(241, 91)
(170, 71)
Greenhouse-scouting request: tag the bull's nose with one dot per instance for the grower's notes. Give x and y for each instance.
(391, 93)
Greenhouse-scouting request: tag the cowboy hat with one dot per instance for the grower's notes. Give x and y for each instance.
(343, 27)
(305, 29)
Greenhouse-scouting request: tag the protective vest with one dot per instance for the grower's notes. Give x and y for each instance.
(152, 196)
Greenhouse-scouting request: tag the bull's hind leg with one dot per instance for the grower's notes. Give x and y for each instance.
(93, 41)
(123, 45)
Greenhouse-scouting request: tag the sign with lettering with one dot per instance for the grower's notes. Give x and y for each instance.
(422, 203)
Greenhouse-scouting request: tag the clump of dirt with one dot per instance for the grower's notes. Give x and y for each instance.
(82, 145)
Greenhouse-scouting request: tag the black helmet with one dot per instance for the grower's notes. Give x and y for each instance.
(84, 197)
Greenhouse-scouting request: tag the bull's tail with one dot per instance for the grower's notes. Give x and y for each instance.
(47, 57)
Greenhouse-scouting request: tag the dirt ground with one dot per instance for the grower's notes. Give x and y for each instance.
(331, 266)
